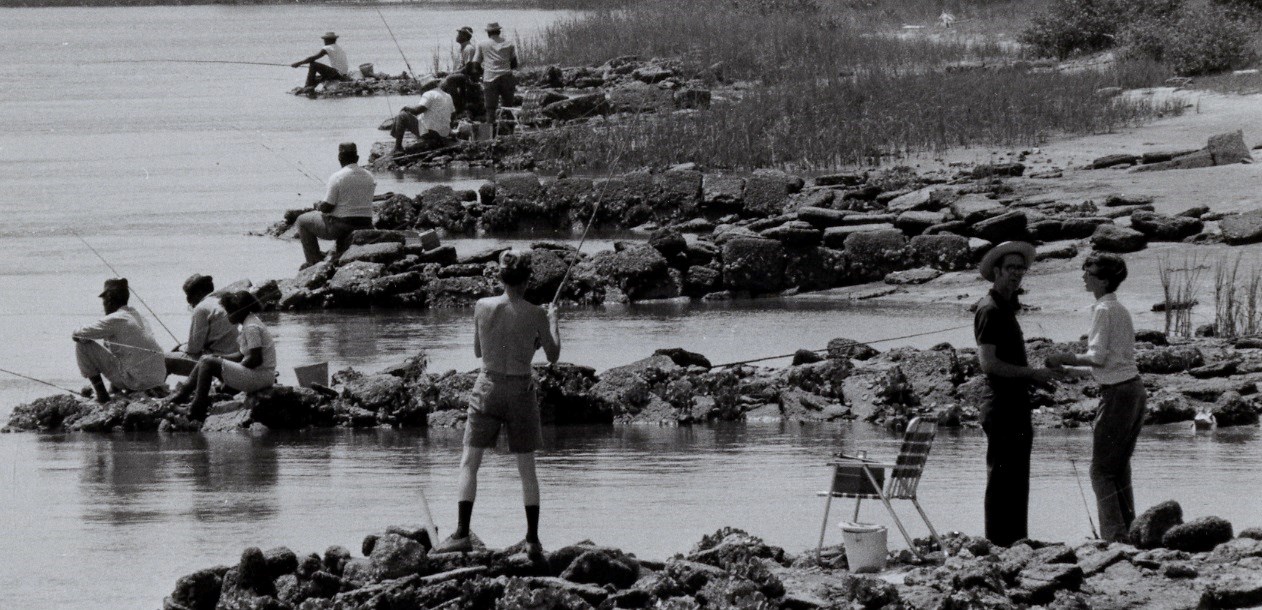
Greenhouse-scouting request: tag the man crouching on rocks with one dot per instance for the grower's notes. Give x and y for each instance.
(1123, 399)
(507, 331)
(1006, 412)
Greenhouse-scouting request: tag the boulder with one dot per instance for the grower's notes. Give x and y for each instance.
(814, 268)
(375, 392)
(821, 217)
(700, 280)
(1081, 227)
(1198, 535)
(1115, 238)
(912, 276)
(766, 193)
(1159, 227)
(1242, 228)
(872, 255)
(385, 252)
(442, 207)
(669, 242)
(1232, 409)
(794, 233)
(678, 194)
(930, 198)
(395, 556)
(835, 237)
(603, 567)
(635, 270)
(1114, 160)
(199, 590)
(458, 291)
(756, 265)
(915, 222)
(1229, 148)
(1166, 407)
(723, 191)
(1169, 359)
(975, 208)
(1150, 527)
(352, 284)
(578, 107)
(945, 252)
(1003, 227)
(397, 212)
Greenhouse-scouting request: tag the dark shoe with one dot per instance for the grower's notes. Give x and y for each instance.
(455, 545)
(533, 550)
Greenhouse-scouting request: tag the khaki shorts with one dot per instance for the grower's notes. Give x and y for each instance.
(504, 400)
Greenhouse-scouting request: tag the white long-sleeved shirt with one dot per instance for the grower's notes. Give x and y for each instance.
(126, 335)
(1111, 342)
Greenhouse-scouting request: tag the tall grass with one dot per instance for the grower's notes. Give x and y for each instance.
(1237, 298)
(1180, 286)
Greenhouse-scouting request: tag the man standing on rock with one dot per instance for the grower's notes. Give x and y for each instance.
(347, 207)
(507, 329)
(337, 69)
(497, 58)
(1006, 412)
(434, 110)
(130, 358)
(209, 331)
(1123, 399)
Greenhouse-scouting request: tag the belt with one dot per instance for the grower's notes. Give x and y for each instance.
(495, 375)
(1106, 386)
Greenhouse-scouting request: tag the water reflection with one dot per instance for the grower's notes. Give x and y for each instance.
(233, 477)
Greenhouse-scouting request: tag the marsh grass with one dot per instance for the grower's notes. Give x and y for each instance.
(1180, 285)
(1237, 298)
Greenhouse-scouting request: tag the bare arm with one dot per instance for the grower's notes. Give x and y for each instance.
(477, 338)
(308, 60)
(330, 194)
(992, 365)
(253, 358)
(550, 335)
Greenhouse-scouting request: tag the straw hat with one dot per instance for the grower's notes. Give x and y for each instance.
(996, 254)
(329, 35)
(493, 26)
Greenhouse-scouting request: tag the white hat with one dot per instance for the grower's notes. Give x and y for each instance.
(996, 254)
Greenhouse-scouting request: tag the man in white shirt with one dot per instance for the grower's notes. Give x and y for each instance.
(429, 120)
(497, 58)
(209, 331)
(337, 69)
(347, 207)
(1123, 399)
(127, 355)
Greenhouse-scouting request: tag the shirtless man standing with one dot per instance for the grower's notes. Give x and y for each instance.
(507, 331)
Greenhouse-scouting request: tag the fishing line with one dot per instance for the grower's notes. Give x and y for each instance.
(282, 157)
(129, 288)
(51, 385)
(191, 61)
(411, 72)
(816, 351)
(1073, 464)
(591, 221)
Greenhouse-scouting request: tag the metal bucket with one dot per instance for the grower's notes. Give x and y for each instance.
(312, 374)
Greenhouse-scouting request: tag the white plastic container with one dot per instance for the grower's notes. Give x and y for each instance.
(866, 548)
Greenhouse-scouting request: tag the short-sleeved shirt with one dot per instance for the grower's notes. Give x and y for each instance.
(255, 334)
(438, 110)
(350, 191)
(467, 53)
(508, 333)
(337, 58)
(210, 332)
(496, 58)
(995, 323)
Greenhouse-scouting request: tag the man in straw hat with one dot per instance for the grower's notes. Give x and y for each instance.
(209, 331)
(497, 58)
(1123, 399)
(507, 330)
(130, 357)
(346, 208)
(1006, 412)
(433, 112)
(337, 69)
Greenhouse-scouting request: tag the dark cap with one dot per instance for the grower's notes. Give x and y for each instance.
(347, 148)
(465, 30)
(198, 281)
(493, 26)
(114, 286)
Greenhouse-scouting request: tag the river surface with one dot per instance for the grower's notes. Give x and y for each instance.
(158, 166)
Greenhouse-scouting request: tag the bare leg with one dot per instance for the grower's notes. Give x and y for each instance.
(470, 462)
(529, 479)
(98, 385)
(208, 368)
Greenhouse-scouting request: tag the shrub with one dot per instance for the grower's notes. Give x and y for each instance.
(1200, 41)
(1070, 27)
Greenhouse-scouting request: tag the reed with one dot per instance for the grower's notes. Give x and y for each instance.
(1180, 287)
(1237, 298)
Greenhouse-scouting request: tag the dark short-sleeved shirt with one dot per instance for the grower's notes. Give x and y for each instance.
(995, 323)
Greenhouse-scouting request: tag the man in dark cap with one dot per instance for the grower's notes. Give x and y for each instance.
(346, 208)
(337, 68)
(497, 58)
(464, 38)
(209, 331)
(127, 355)
(1006, 412)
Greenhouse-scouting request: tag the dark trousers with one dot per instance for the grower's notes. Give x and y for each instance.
(500, 90)
(1117, 427)
(1010, 438)
(318, 73)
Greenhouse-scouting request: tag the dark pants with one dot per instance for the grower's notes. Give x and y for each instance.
(318, 73)
(314, 226)
(1117, 427)
(1010, 438)
(493, 92)
(406, 122)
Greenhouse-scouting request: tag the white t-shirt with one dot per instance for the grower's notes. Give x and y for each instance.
(337, 58)
(255, 334)
(350, 191)
(496, 58)
(438, 110)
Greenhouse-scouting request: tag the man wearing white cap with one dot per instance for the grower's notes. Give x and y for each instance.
(497, 58)
(1006, 412)
(337, 68)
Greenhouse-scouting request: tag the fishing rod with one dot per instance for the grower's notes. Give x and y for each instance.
(816, 351)
(51, 385)
(129, 288)
(429, 519)
(1073, 464)
(282, 157)
(591, 221)
(396, 43)
(192, 61)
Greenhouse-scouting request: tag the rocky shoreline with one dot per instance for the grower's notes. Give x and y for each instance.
(1167, 564)
(848, 381)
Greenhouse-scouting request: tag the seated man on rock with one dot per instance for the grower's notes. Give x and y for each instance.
(209, 331)
(347, 207)
(337, 69)
(433, 113)
(127, 355)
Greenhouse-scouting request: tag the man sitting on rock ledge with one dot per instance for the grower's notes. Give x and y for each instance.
(434, 110)
(130, 357)
(507, 329)
(317, 73)
(1006, 413)
(209, 331)
(347, 207)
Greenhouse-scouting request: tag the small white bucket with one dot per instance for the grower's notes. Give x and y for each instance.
(312, 373)
(866, 549)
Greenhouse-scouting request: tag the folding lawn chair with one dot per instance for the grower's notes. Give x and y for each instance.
(858, 478)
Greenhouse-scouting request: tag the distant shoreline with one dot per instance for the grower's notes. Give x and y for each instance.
(515, 4)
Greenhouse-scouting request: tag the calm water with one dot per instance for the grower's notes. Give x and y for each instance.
(157, 166)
